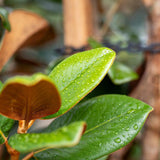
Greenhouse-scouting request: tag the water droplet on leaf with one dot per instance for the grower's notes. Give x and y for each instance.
(135, 126)
(117, 140)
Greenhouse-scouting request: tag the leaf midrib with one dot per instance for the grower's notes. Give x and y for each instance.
(89, 66)
(101, 124)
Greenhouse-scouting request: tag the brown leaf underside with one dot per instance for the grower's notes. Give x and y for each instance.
(26, 29)
(21, 102)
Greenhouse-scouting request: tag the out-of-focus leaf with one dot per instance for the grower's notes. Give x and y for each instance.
(120, 74)
(79, 74)
(132, 60)
(29, 97)
(94, 44)
(67, 136)
(112, 122)
(28, 29)
(4, 19)
(54, 63)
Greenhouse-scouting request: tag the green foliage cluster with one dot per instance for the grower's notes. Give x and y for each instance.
(112, 120)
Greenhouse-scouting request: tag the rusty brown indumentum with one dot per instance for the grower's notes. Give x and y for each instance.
(29, 102)
(14, 155)
(27, 29)
(26, 100)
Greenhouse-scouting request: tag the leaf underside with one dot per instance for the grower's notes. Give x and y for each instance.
(27, 98)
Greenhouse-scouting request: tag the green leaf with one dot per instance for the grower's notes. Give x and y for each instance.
(79, 74)
(120, 73)
(4, 18)
(54, 63)
(103, 158)
(132, 60)
(67, 136)
(5, 126)
(1, 86)
(112, 122)
(29, 97)
(94, 44)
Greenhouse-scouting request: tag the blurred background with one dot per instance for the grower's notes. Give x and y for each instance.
(71, 26)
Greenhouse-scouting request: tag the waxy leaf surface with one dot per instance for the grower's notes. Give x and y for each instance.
(27, 98)
(112, 122)
(79, 74)
(67, 136)
(120, 73)
(6, 125)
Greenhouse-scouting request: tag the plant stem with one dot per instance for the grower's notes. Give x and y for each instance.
(13, 153)
(30, 155)
(24, 126)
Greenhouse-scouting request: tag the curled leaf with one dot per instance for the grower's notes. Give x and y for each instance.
(27, 29)
(27, 98)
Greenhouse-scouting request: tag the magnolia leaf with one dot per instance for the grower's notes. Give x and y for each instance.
(120, 73)
(27, 29)
(4, 18)
(112, 122)
(27, 98)
(6, 125)
(79, 74)
(67, 136)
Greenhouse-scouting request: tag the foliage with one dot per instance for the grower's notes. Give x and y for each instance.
(4, 18)
(112, 120)
(119, 73)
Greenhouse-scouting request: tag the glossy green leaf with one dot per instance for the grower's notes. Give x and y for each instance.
(103, 158)
(112, 122)
(4, 18)
(79, 74)
(120, 73)
(6, 125)
(29, 97)
(67, 136)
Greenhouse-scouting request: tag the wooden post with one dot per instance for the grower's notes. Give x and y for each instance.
(78, 22)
